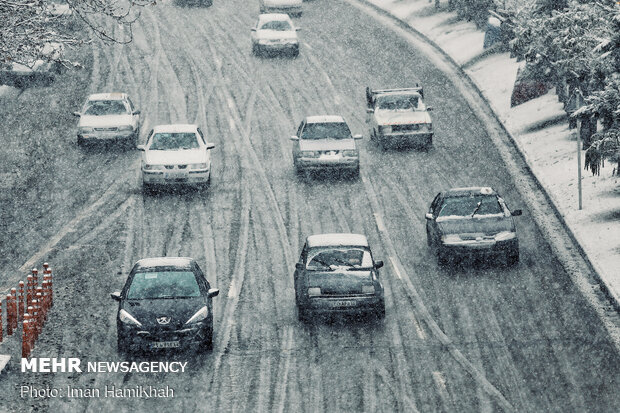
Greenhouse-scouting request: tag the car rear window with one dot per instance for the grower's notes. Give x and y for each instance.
(164, 284)
(328, 130)
(467, 205)
(174, 141)
(105, 107)
(399, 102)
(279, 25)
(321, 259)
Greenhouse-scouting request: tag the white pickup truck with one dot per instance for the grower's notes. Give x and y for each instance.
(399, 117)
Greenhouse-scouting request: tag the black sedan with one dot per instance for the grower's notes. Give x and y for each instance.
(166, 303)
(337, 273)
(471, 221)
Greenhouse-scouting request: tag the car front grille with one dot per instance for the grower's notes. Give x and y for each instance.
(106, 129)
(406, 128)
(181, 166)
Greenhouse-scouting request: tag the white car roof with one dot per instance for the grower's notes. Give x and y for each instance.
(332, 240)
(268, 17)
(164, 262)
(176, 128)
(324, 119)
(108, 96)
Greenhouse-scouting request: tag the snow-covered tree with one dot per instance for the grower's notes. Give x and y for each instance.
(28, 25)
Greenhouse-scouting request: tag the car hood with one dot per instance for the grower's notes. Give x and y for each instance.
(185, 156)
(105, 121)
(179, 310)
(339, 282)
(276, 34)
(282, 2)
(479, 224)
(394, 117)
(326, 144)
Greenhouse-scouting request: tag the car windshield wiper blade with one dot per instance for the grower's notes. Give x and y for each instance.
(324, 264)
(476, 209)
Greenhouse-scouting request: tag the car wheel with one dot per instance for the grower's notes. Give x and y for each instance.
(295, 52)
(429, 240)
(302, 314)
(121, 345)
(208, 342)
(442, 258)
(356, 172)
(80, 141)
(428, 144)
(512, 257)
(147, 188)
(380, 311)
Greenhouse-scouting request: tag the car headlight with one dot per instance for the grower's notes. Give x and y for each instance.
(85, 129)
(505, 235)
(199, 316)
(446, 239)
(263, 41)
(368, 289)
(309, 154)
(198, 166)
(127, 318)
(314, 291)
(349, 153)
(125, 128)
(385, 129)
(150, 167)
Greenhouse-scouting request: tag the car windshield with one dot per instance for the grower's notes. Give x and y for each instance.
(163, 284)
(173, 141)
(279, 25)
(328, 130)
(400, 102)
(105, 107)
(470, 205)
(321, 259)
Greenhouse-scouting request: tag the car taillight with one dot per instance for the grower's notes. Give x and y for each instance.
(368, 289)
(314, 291)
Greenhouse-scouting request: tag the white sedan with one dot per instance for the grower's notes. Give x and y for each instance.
(275, 33)
(176, 154)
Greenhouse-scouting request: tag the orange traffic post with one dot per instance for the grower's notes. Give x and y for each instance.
(46, 298)
(41, 301)
(50, 285)
(0, 321)
(14, 308)
(26, 336)
(35, 317)
(45, 267)
(35, 276)
(20, 304)
(30, 327)
(29, 284)
(9, 322)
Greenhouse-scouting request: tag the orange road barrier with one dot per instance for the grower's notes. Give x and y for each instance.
(0, 321)
(13, 309)
(29, 284)
(9, 321)
(26, 336)
(20, 304)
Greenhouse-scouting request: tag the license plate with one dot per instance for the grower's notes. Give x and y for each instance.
(166, 344)
(175, 175)
(344, 303)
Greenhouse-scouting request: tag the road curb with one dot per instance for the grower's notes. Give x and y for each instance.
(595, 269)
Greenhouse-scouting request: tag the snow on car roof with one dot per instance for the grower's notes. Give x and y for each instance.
(324, 119)
(328, 240)
(473, 190)
(177, 128)
(267, 17)
(181, 262)
(107, 96)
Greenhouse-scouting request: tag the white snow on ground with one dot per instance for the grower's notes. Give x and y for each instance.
(551, 152)
(8, 91)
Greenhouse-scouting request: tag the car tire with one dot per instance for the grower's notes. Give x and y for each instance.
(80, 141)
(147, 188)
(356, 172)
(428, 144)
(512, 257)
(121, 345)
(208, 341)
(302, 314)
(295, 52)
(380, 311)
(429, 239)
(442, 258)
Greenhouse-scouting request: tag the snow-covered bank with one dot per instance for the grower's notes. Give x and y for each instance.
(551, 151)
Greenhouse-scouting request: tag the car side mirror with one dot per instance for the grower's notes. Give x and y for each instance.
(299, 266)
(141, 148)
(517, 212)
(294, 138)
(210, 145)
(78, 114)
(378, 264)
(428, 216)
(357, 136)
(298, 28)
(213, 292)
(253, 29)
(429, 108)
(116, 296)
(136, 112)
(370, 110)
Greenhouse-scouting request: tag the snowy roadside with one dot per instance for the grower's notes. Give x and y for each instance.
(550, 151)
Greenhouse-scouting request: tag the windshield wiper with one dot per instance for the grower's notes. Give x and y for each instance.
(476, 209)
